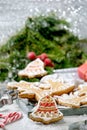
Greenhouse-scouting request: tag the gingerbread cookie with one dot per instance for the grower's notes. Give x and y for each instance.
(30, 90)
(71, 100)
(37, 90)
(23, 88)
(81, 90)
(33, 69)
(59, 88)
(46, 111)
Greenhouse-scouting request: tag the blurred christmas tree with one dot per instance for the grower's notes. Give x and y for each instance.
(41, 34)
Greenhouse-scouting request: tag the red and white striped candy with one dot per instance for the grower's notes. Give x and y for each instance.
(2, 125)
(2, 119)
(11, 117)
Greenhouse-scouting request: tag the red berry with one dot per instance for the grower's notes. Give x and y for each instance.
(39, 56)
(31, 55)
(43, 56)
(52, 64)
(47, 62)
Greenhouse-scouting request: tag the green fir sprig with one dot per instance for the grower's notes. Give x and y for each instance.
(41, 34)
